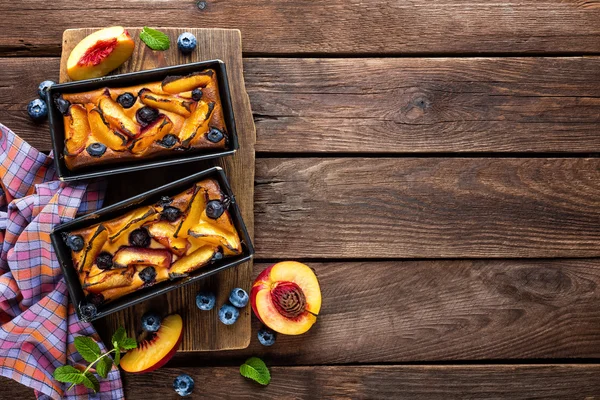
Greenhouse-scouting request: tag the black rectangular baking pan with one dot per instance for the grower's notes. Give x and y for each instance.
(57, 131)
(89, 312)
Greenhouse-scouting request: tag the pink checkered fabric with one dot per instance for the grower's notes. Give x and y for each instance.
(37, 322)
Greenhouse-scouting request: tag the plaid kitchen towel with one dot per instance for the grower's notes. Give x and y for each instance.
(37, 323)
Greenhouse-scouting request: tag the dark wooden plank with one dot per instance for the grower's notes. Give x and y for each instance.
(327, 26)
(212, 44)
(426, 104)
(389, 105)
(419, 311)
(427, 207)
(368, 382)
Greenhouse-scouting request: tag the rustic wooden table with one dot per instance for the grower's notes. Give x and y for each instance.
(436, 162)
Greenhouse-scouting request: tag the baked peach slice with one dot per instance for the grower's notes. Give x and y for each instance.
(99, 53)
(178, 84)
(197, 123)
(133, 256)
(77, 130)
(192, 213)
(169, 103)
(109, 279)
(163, 232)
(209, 234)
(153, 132)
(116, 117)
(94, 238)
(286, 297)
(155, 351)
(192, 261)
(103, 132)
(128, 222)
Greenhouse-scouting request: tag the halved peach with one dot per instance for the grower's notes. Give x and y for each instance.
(77, 129)
(286, 297)
(153, 132)
(103, 132)
(99, 53)
(128, 222)
(116, 117)
(169, 103)
(178, 84)
(193, 261)
(130, 256)
(109, 279)
(153, 353)
(163, 232)
(197, 123)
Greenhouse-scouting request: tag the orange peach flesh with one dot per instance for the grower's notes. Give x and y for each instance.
(153, 353)
(290, 288)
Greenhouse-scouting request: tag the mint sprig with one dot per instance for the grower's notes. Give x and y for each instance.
(90, 351)
(254, 368)
(155, 39)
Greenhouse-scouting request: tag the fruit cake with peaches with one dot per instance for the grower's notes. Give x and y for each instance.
(155, 243)
(112, 125)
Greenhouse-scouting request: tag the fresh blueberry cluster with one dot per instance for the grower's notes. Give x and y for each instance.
(228, 313)
(37, 108)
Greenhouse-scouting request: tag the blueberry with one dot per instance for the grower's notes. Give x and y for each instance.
(215, 135)
(183, 385)
(186, 42)
(228, 314)
(205, 301)
(37, 110)
(87, 311)
(266, 337)
(238, 297)
(218, 255)
(43, 88)
(168, 141)
(151, 321)
(148, 275)
(104, 260)
(139, 237)
(196, 94)
(95, 298)
(75, 242)
(126, 100)
(214, 209)
(96, 149)
(171, 214)
(62, 105)
(146, 114)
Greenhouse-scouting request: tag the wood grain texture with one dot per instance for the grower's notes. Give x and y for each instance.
(430, 311)
(202, 331)
(402, 105)
(427, 207)
(416, 105)
(485, 382)
(327, 26)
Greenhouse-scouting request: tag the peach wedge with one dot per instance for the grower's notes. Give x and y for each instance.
(99, 53)
(287, 298)
(153, 353)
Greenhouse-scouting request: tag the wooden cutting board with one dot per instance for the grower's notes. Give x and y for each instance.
(202, 329)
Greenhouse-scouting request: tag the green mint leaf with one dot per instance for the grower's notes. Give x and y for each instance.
(68, 374)
(103, 366)
(154, 39)
(128, 344)
(117, 357)
(90, 382)
(254, 368)
(88, 348)
(118, 337)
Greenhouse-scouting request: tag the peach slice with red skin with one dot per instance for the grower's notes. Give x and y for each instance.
(131, 256)
(99, 53)
(154, 352)
(153, 132)
(286, 297)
